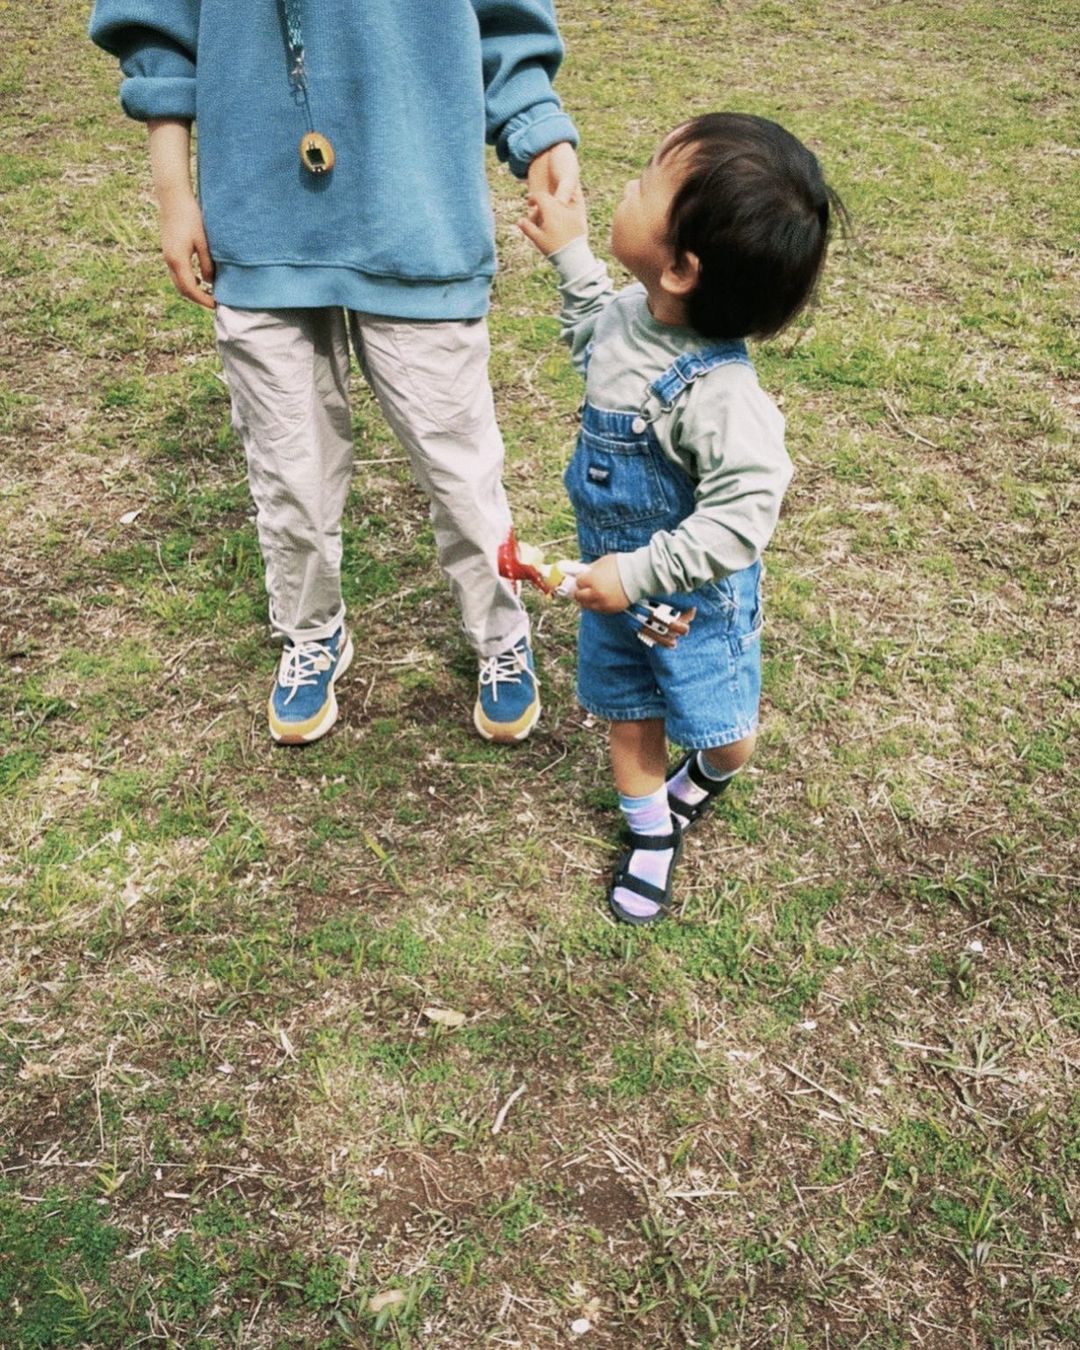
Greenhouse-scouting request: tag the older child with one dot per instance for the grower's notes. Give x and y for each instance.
(342, 195)
(680, 465)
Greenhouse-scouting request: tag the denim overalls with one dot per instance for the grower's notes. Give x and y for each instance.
(624, 490)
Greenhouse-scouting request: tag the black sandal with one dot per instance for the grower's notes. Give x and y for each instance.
(647, 891)
(683, 812)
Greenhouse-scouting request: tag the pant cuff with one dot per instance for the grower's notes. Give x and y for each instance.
(496, 646)
(307, 633)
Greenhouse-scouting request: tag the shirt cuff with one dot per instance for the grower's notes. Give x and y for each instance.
(636, 574)
(148, 97)
(530, 134)
(573, 260)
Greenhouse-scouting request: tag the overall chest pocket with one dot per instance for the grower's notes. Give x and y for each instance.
(612, 483)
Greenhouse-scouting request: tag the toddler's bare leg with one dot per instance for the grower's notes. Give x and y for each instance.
(638, 756)
(725, 759)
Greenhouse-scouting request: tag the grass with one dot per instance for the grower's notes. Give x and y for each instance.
(835, 1103)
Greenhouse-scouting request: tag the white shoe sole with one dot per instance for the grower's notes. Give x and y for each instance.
(504, 738)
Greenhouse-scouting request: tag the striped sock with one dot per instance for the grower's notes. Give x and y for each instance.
(646, 815)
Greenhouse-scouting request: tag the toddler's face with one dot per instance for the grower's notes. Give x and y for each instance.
(639, 228)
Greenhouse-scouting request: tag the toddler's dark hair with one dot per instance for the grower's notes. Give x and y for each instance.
(756, 211)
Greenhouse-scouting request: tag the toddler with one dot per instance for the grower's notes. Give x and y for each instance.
(680, 466)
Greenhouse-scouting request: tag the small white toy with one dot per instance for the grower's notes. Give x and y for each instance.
(655, 622)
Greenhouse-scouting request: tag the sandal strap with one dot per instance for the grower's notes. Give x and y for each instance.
(700, 778)
(628, 882)
(687, 813)
(657, 842)
(660, 896)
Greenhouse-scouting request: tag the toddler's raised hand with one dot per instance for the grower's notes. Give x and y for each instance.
(551, 224)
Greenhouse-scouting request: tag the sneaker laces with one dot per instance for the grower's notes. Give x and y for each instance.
(506, 668)
(302, 664)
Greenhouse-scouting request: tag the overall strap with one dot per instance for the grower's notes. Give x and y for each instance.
(668, 388)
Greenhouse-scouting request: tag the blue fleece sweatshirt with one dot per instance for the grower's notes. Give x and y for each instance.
(408, 92)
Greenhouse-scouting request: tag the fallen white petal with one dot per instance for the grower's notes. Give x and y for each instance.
(389, 1298)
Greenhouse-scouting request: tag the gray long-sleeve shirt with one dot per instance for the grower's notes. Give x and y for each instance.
(725, 432)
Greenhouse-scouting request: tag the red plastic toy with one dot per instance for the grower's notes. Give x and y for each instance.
(525, 562)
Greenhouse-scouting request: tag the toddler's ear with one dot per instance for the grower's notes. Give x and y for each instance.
(680, 276)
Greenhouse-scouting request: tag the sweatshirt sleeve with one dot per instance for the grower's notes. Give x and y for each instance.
(155, 42)
(522, 50)
(731, 438)
(586, 290)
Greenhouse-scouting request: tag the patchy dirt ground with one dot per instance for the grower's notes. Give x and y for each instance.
(834, 1103)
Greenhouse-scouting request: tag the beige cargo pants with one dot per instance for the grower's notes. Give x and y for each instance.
(287, 372)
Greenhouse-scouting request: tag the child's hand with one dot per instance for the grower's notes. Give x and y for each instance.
(183, 244)
(550, 223)
(600, 589)
(555, 170)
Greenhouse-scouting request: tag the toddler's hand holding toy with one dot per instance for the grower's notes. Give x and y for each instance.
(594, 586)
(600, 588)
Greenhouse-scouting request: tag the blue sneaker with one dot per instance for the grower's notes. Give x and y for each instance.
(508, 703)
(302, 705)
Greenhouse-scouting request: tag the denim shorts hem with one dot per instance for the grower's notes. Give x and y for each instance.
(715, 740)
(639, 714)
